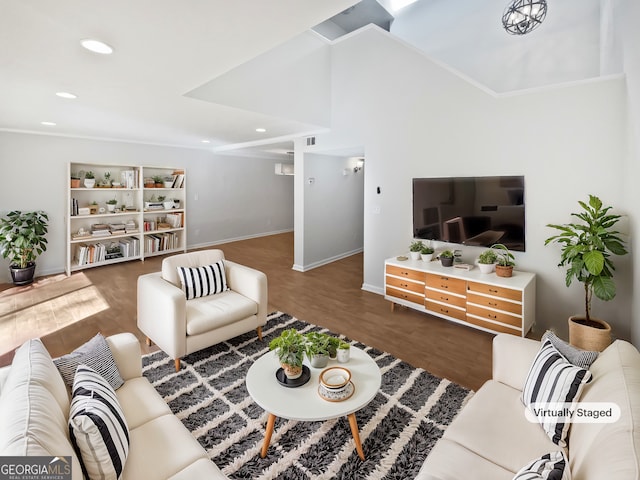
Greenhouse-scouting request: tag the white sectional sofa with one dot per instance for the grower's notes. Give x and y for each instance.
(492, 439)
(34, 410)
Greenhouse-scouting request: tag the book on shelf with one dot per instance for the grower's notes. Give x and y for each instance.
(174, 219)
(129, 178)
(178, 179)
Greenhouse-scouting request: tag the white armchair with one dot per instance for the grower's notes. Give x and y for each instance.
(180, 326)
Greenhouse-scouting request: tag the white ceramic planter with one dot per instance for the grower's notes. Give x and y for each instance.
(89, 182)
(344, 354)
(486, 267)
(414, 255)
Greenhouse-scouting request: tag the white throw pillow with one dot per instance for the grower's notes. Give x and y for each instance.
(203, 281)
(97, 355)
(552, 466)
(554, 382)
(97, 426)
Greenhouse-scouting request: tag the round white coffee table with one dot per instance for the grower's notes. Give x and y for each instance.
(304, 403)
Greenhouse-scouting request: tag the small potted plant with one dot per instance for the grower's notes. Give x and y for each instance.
(149, 183)
(158, 181)
(89, 179)
(290, 348)
(106, 183)
(111, 204)
(167, 182)
(166, 204)
(344, 352)
(75, 180)
(505, 260)
(415, 248)
(426, 252)
(446, 258)
(318, 349)
(22, 239)
(487, 261)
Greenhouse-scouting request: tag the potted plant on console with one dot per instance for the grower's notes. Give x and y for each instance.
(111, 204)
(586, 248)
(415, 249)
(426, 252)
(22, 239)
(505, 260)
(290, 348)
(446, 258)
(487, 261)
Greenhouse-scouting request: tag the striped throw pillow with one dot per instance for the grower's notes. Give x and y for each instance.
(552, 466)
(577, 356)
(97, 355)
(552, 384)
(203, 281)
(97, 426)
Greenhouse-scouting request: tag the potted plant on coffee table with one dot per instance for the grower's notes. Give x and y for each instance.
(318, 349)
(487, 261)
(290, 348)
(586, 250)
(22, 239)
(505, 260)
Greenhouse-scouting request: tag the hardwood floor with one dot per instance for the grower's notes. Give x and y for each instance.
(67, 311)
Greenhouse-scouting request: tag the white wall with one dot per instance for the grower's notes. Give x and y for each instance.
(426, 121)
(237, 197)
(333, 209)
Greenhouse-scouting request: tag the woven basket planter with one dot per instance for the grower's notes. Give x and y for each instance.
(592, 335)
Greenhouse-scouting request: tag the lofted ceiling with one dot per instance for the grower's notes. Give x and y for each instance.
(192, 71)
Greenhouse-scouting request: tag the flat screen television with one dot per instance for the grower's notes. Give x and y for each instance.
(478, 211)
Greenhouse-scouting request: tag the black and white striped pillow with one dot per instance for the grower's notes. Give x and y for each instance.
(97, 355)
(97, 426)
(203, 281)
(553, 383)
(552, 466)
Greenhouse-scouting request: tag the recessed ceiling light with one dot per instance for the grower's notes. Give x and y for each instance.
(49, 124)
(261, 130)
(205, 141)
(66, 95)
(96, 46)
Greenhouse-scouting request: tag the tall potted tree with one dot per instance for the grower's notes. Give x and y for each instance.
(22, 239)
(586, 250)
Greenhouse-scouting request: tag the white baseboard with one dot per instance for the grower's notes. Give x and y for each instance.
(373, 289)
(320, 263)
(236, 239)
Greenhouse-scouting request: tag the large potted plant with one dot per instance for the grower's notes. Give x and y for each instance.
(586, 250)
(22, 239)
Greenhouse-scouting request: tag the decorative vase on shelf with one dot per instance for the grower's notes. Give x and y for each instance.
(168, 205)
(111, 207)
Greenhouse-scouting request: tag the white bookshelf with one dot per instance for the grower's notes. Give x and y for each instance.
(140, 225)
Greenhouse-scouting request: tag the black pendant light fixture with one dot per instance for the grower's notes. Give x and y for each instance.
(523, 16)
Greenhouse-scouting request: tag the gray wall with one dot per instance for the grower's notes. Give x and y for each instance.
(237, 197)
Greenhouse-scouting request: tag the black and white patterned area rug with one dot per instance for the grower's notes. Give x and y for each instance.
(397, 429)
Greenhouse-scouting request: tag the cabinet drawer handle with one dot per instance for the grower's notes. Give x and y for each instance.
(493, 291)
(444, 278)
(492, 316)
(444, 310)
(444, 286)
(446, 299)
(492, 304)
(404, 273)
(404, 285)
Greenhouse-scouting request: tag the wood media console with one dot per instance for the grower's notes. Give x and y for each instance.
(482, 301)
